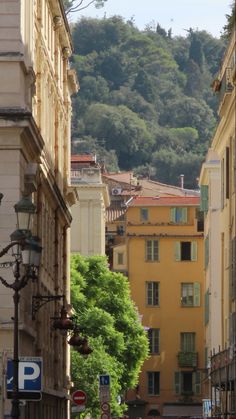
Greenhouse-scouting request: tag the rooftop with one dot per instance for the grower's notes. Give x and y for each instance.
(164, 201)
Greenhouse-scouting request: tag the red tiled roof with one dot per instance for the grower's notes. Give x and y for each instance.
(165, 201)
(83, 158)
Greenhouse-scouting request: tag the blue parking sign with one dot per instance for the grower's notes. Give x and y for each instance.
(30, 374)
(104, 380)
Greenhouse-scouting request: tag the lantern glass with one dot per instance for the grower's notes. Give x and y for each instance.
(24, 210)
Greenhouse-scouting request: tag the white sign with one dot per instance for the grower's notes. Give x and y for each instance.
(77, 409)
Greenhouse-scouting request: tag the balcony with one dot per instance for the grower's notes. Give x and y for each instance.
(225, 89)
(86, 175)
(187, 359)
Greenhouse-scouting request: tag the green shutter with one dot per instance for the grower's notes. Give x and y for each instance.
(196, 294)
(194, 251)
(204, 198)
(173, 215)
(177, 382)
(206, 312)
(197, 382)
(184, 217)
(206, 248)
(177, 251)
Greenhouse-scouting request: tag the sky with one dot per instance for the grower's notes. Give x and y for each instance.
(179, 15)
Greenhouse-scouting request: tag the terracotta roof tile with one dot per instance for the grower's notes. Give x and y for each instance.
(165, 201)
(83, 158)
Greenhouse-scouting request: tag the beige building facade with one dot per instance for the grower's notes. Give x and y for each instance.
(218, 186)
(89, 213)
(35, 112)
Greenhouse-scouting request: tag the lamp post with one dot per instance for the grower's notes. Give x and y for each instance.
(26, 251)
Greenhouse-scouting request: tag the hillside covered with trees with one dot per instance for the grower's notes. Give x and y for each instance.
(145, 101)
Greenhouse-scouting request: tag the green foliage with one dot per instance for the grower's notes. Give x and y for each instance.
(116, 336)
(137, 86)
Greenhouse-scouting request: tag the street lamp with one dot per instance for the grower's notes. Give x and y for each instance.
(26, 251)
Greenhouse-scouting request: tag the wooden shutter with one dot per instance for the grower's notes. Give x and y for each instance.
(196, 294)
(194, 250)
(173, 215)
(206, 254)
(177, 382)
(177, 251)
(207, 308)
(197, 382)
(204, 198)
(184, 217)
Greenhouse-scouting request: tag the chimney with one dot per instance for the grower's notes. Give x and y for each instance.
(182, 181)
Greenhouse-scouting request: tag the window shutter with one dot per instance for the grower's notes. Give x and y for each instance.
(206, 248)
(184, 215)
(194, 251)
(197, 382)
(196, 294)
(177, 251)
(207, 308)
(173, 215)
(177, 382)
(204, 198)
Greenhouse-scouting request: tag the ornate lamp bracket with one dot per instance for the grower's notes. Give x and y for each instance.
(39, 301)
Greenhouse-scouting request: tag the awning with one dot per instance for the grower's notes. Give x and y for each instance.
(179, 410)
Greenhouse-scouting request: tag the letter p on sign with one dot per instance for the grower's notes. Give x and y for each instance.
(28, 371)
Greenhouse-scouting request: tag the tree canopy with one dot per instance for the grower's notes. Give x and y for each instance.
(137, 87)
(107, 316)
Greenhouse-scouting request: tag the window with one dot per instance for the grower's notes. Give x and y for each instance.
(186, 251)
(152, 293)
(187, 342)
(153, 383)
(152, 253)
(144, 214)
(187, 383)
(190, 294)
(154, 341)
(120, 258)
(179, 215)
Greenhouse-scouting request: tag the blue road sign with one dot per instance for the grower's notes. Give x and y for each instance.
(30, 374)
(104, 380)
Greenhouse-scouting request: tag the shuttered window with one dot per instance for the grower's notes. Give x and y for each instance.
(190, 294)
(207, 308)
(206, 248)
(204, 198)
(154, 341)
(152, 293)
(152, 250)
(153, 378)
(187, 342)
(187, 383)
(144, 214)
(185, 251)
(179, 215)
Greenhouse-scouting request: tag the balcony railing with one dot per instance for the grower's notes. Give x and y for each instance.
(187, 359)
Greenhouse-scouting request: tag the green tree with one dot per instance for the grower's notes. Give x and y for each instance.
(170, 165)
(122, 130)
(118, 339)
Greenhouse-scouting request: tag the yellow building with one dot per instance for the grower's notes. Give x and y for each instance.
(35, 112)
(218, 193)
(164, 260)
